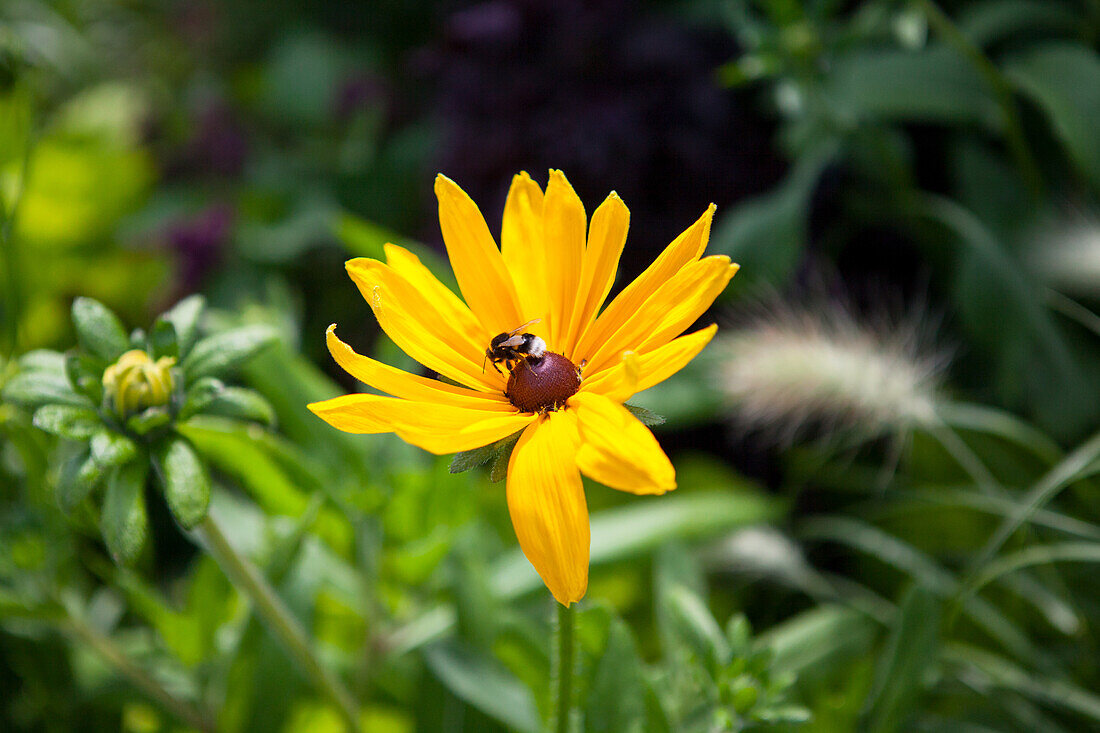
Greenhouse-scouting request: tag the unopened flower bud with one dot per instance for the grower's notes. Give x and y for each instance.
(136, 382)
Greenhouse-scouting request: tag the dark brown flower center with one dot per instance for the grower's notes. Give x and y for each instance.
(542, 384)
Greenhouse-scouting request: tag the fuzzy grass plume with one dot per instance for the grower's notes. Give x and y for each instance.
(1066, 254)
(819, 366)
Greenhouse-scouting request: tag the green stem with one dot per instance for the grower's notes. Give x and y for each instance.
(12, 265)
(107, 649)
(1002, 90)
(278, 618)
(564, 634)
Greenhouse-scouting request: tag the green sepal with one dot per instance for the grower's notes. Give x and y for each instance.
(85, 373)
(75, 423)
(184, 317)
(220, 354)
(184, 478)
(497, 453)
(242, 404)
(124, 521)
(163, 341)
(499, 470)
(199, 395)
(110, 449)
(149, 420)
(32, 390)
(79, 476)
(98, 329)
(646, 417)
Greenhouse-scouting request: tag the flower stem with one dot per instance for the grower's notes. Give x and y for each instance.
(107, 649)
(10, 253)
(278, 619)
(999, 85)
(565, 645)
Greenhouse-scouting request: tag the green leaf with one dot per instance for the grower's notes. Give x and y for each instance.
(940, 87)
(124, 522)
(149, 420)
(199, 395)
(75, 423)
(814, 639)
(483, 683)
(647, 417)
(468, 459)
(79, 477)
(32, 390)
(1002, 674)
(994, 21)
(693, 624)
(1086, 552)
(98, 329)
(162, 340)
(220, 354)
(42, 360)
(617, 534)
(85, 373)
(923, 570)
(1064, 81)
(767, 234)
(183, 475)
(640, 527)
(231, 448)
(912, 649)
(242, 404)
(616, 695)
(290, 381)
(184, 317)
(110, 449)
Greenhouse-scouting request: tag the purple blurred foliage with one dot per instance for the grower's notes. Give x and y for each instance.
(617, 98)
(218, 147)
(198, 243)
(361, 91)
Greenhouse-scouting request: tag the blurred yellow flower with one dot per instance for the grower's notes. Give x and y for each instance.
(534, 303)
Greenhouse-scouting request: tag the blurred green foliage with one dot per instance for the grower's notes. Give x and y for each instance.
(941, 156)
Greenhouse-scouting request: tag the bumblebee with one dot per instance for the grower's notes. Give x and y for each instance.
(511, 347)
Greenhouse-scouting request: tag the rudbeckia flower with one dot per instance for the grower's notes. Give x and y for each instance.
(562, 368)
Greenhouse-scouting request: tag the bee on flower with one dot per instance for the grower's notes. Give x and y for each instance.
(562, 365)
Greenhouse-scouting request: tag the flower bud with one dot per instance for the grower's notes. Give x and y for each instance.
(136, 382)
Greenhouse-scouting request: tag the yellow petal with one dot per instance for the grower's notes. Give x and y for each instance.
(436, 428)
(420, 330)
(606, 237)
(677, 319)
(449, 305)
(521, 245)
(617, 450)
(409, 386)
(563, 232)
(686, 248)
(546, 501)
(484, 280)
(671, 309)
(650, 368)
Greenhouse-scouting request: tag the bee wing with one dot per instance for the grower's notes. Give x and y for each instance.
(514, 341)
(519, 329)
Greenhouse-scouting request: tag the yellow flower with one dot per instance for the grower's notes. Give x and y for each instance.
(550, 280)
